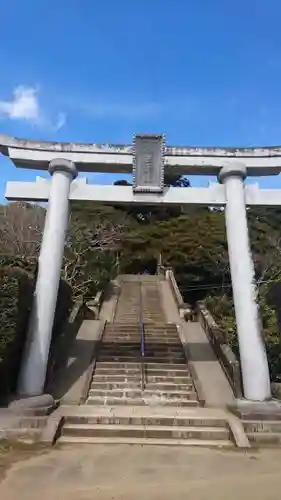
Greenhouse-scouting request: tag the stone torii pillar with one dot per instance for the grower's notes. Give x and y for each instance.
(35, 358)
(254, 365)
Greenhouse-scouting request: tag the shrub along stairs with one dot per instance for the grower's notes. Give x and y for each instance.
(142, 390)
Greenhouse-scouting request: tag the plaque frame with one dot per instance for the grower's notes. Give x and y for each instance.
(158, 145)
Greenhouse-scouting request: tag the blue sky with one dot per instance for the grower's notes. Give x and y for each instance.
(205, 72)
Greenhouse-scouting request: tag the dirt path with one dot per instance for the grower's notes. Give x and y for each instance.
(132, 472)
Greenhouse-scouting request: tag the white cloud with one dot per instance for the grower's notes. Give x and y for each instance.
(25, 105)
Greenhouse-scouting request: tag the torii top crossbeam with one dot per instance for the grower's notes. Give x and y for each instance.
(119, 158)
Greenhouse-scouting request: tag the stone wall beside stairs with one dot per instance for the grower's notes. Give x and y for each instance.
(213, 386)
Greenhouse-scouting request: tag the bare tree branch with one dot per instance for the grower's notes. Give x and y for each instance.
(89, 245)
(21, 228)
(86, 245)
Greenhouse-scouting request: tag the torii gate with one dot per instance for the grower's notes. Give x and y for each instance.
(147, 158)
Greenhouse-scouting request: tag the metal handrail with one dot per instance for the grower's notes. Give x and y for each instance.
(223, 351)
(142, 342)
(142, 352)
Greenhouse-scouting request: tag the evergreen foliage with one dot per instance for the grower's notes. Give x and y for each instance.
(16, 287)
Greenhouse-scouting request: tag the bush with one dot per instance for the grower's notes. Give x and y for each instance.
(221, 308)
(16, 289)
(16, 293)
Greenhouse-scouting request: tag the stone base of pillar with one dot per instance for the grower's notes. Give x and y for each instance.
(253, 410)
(33, 406)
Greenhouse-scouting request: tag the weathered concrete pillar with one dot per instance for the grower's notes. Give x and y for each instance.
(254, 365)
(35, 359)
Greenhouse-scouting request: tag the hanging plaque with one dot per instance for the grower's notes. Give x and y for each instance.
(148, 163)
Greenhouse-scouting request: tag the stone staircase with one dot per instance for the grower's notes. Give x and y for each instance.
(146, 425)
(262, 428)
(263, 432)
(128, 305)
(139, 301)
(21, 428)
(151, 304)
(148, 399)
(118, 374)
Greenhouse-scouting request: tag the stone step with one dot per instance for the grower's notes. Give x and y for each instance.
(142, 431)
(153, 368)
(122, 327)
(150, 318)
(135, 379)
(131, 312)
(164, 342)
(173, 376)
(120, 376)
(160, 357)
(127, 307)
(261, 416)
(264, 438)
(134, 347)
(147, 401)
(110, 384)
(161, 346)
(136, 357)
(135, 364)
(137, 361)
(135, 353)
(32, 422)
(127, 317)
(148, 330)
(135, 335)
(151, 310)
(262, 426)
(169, 388)
(152, 344)
(113, 345)
(146, 441)
(134, 376)
(155, 326)
(136, 317)
(135, 329)
(146, 393)
(149, 345)
(160, 325)
(147, 360)
(158, 419)
(148, 333)
(128, 311)
(116, 372)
